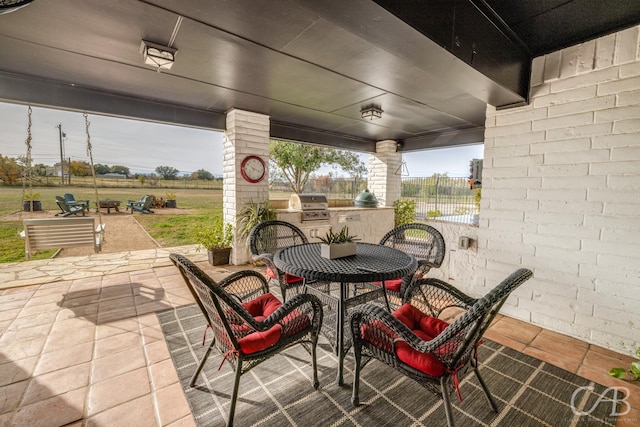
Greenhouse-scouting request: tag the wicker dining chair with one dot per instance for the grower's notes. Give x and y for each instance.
(265, 239)
(418, 344)
(249, 324)
(422, 241)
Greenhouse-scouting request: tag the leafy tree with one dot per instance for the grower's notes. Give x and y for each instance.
(167, 172)
(152, 179)
(9, 170)
(298, 161)
(120, 169)
(101, 169)
(202, 174)
(39, 169)
(79, 168)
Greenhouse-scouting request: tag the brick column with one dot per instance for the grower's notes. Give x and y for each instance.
(247, 134)
(383, 180)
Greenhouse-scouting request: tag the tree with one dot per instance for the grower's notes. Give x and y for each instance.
(79, 168)
(120, 169)
(101, 169)
(298, 161)
(202, 174)
(167, 172)
(9, 170)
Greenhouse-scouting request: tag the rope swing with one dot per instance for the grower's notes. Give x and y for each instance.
(27, 178)
(93, 174)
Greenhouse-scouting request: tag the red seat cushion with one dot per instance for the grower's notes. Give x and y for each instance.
(261, 308)
(289, 278)
(391, 285)
(425, 327)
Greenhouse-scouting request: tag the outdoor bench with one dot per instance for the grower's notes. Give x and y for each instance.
(58, 233)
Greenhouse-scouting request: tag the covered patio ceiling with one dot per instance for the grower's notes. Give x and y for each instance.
(430, 65)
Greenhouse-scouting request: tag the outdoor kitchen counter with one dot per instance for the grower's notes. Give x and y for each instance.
(367, 224)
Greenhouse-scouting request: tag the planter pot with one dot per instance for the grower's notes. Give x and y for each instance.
(337, 250)
(219, 256)
(37, 205)
(171, 204)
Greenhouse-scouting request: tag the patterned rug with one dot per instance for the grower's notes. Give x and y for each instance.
(279, 392)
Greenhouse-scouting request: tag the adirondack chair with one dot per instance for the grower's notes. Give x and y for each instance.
(143, 205)
(66, 210)
(71, 201)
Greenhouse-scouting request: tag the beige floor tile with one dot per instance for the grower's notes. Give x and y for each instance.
(135, 413)
(45, 299)
(115, 328)
(157, 351)
(11, 372)
(570, 349)
(55, 383)
(9, 314)
(172, 405)
(23, 349)
(59, 410)
(570, 365)
(31, 321)
(5, 419)
(117, 343)
(13, 304)
(506, 341)
(25, 334)
(61, 339)
(151, 334)
(116, 364)
(64, 358)
(187, 421)
(10, 396)
(115, 391)
(163, 374)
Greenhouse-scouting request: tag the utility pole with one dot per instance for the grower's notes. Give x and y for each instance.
(61, 155)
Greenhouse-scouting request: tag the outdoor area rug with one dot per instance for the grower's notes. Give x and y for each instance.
(279, 392)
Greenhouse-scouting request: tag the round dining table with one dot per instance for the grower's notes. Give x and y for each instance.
(371, 263)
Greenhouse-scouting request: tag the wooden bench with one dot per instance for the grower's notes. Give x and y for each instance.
(57, 233)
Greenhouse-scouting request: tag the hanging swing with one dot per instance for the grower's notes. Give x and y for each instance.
(28, 197)
(93, 174)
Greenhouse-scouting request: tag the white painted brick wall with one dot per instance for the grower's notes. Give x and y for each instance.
(247, 133)
(384, 183)
(561, 194)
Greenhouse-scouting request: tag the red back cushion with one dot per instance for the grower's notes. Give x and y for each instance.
(425, 327)
(391, 285)
(289, 278)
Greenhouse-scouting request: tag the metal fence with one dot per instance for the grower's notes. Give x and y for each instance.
(443, 198)
(439, 197)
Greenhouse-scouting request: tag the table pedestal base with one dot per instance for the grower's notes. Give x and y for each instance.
(337, 299)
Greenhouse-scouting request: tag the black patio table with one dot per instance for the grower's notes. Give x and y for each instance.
(372, 263)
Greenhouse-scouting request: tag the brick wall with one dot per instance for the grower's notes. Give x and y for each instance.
(561, 194)
(384, 182)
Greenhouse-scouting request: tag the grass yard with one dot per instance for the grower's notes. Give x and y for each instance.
(168, 230)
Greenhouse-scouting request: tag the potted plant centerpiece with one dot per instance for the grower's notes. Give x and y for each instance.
(216, 239)
(171, 200)
(31, 202)
(338, 245)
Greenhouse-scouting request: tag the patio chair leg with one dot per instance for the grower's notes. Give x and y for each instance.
(447, 401)
(355, 395)
(487, 393)
(234, 394)
(314, 344)
(201, 364)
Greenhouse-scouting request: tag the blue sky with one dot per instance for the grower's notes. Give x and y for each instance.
(142, 146)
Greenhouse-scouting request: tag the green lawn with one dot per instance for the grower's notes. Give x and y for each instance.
(168, 230)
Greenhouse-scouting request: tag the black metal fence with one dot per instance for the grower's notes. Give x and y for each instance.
(443, 198)
(438, 197)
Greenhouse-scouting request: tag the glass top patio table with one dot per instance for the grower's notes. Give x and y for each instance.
(371, 263)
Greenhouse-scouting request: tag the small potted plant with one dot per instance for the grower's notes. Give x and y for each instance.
(171, 200)
(338, 245)
(253, 214)
(216, 239)
(31, 202)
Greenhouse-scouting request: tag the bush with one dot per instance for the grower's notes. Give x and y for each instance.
(434, 213)
(216, 235)
(404, 211)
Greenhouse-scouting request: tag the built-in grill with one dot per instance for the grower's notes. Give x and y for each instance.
(314, 207)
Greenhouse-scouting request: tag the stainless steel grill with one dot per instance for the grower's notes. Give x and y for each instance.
(314, 207)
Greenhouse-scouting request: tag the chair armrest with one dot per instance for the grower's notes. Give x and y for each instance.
(301, 303)
(388, 330)
(434, 295)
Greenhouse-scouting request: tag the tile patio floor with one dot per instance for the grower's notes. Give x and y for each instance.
(80, 344)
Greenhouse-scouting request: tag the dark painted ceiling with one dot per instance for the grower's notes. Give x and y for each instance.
(431, 65)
